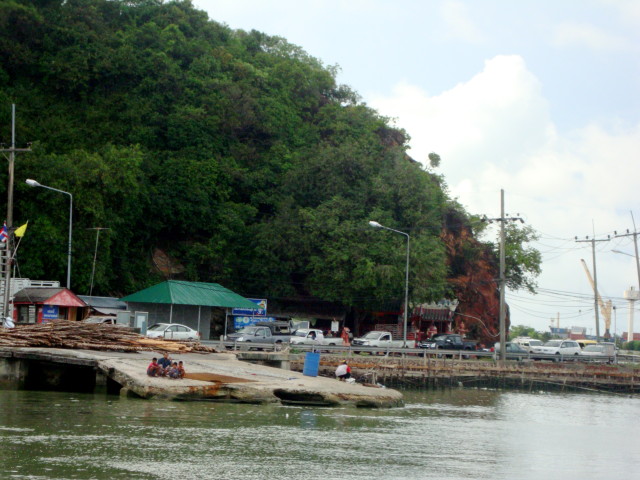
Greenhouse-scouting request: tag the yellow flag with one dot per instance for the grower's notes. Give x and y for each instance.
(20, 230)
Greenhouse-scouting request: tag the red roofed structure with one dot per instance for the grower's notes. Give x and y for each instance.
(42, 304)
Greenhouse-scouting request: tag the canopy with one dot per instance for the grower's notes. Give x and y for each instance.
(177, 292)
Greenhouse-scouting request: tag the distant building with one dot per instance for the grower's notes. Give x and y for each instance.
(103, 306)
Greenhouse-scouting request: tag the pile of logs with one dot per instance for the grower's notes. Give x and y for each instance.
(91, 336)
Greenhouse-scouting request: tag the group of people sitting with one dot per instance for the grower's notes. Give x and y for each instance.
(165, 367)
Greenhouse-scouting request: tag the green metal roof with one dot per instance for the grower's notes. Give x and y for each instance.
(190, 293)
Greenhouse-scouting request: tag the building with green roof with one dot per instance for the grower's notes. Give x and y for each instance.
(195, 304)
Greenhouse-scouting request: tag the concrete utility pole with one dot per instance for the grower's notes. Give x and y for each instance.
(95, 254)
(593, 241)
(9, 257)
(633, 234)
(502, 281)
(631, 294)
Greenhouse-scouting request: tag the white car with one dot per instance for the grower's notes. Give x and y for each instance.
(307, 336)
(559, 347)
(172, 331)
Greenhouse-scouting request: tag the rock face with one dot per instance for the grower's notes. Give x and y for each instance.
(474, 274)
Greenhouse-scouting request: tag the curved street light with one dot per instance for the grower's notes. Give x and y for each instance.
(375, 224)
(34, 183)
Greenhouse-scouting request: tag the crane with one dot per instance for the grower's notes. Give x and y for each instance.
(605, 307)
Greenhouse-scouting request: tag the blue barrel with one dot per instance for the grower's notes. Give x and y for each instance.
(311, 364)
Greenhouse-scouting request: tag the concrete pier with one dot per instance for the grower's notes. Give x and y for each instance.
(210, 377)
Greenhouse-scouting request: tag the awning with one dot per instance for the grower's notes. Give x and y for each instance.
(178, 292)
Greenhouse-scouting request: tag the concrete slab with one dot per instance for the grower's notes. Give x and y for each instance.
(219, 377)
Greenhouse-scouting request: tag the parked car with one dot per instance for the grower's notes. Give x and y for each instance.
(600, 351)
(448, 341)
(528, 343)
(513, 350)
(258, 334)
(172, 331)
(380, 339)
(559, 347)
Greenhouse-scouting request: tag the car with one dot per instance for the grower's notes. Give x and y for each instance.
(172, 331)
(559, 347)
(600, 351)
(513, 351)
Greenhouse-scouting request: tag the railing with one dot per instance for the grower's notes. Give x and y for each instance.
(419, 352)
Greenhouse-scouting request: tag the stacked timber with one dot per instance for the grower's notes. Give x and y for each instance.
(91, 336)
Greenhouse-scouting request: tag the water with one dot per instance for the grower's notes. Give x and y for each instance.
(450, 434)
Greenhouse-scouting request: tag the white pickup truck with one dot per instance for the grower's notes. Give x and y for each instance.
(381, 340)
(313, 336)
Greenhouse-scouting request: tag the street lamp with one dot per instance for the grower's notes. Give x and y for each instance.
(406, 282)
(34, 183)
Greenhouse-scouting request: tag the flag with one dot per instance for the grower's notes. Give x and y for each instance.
(4, 234)
(20, 230)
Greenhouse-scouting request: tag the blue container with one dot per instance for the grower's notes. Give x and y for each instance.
(311, 364)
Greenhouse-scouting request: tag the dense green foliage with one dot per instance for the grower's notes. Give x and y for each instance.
(234, 152)
(524, 331)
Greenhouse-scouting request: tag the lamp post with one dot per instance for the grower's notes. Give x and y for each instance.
(406, 281)
(34, 183)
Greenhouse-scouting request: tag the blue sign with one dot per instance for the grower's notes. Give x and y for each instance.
(49, 312)
(260, 311)
(241, 322)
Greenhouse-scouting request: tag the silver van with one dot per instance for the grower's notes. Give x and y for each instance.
(527, 343)
(600, 351)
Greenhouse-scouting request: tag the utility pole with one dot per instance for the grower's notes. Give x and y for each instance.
(9, 257)
(630, 294)
(95, 254)
(502, 281)
(633, 234)
(593, 241)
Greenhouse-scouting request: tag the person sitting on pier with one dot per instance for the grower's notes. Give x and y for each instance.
(173, 371)
(343, 371)
(181, 371)
(154, 370)
(165, 363)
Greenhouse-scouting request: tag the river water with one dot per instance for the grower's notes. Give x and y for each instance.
(442, 434)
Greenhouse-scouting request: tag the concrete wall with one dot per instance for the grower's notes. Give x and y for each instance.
(184, 314)
(13, 373)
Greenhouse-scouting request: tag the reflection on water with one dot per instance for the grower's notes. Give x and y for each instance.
(444, 434)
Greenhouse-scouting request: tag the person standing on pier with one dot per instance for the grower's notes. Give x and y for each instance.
(345, 337)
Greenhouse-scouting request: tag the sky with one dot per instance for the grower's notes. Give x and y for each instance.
(538, 98)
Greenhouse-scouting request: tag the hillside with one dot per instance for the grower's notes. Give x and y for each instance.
(214, 155)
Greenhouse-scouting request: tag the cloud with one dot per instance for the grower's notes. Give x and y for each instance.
(583, 35)
(494, 131)
(458, 24)
(496, 118)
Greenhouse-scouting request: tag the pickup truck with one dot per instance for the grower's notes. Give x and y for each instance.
(381, 340)
(447, 341)
(313, 336)
(257, 334)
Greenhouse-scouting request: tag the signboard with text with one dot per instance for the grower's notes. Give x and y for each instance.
(246, 321)
(49, 312)
(259, 311)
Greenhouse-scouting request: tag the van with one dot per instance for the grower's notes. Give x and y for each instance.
(527, 343)
(600, 351)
